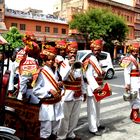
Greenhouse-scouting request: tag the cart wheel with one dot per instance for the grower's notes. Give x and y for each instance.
(7, 136)
(12, 120)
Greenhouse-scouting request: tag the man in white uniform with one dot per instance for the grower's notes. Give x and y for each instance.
(61, 46)
(28, 69)
(94, 76)
(132, 80)
(47, 89)
(75, 90)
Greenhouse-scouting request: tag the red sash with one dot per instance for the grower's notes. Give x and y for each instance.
(56, 94)
(51, 79)
(135, 73)
(88, 61)
(74, 85)
(96, 68)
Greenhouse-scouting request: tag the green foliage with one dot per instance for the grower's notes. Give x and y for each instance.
(13, 37)
(100, 23)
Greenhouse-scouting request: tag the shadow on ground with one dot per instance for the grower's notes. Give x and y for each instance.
(112, 124)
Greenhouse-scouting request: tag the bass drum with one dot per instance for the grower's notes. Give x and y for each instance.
(7, 136)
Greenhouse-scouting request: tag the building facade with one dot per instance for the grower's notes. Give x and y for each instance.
(53, 28)
(43, 26)
(2, 16)
(127, 9)
(137, 18)
(69, 7)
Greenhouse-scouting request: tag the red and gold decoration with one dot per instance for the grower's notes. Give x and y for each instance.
(135, 115)
(31, 47)
(96, 43)
(20, 55)
(61, 44)
(48, 51)
(133, 47)
(72, 46)
(106, 91)
(127, 60)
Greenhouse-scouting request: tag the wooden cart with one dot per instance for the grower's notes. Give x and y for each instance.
(24, 119)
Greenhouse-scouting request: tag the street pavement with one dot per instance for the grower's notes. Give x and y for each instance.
(115, 114)
(115, 117)
(117, 67)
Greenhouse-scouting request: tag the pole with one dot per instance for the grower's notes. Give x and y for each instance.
(2, 68)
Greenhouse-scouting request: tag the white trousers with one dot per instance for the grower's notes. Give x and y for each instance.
(135, 103)
(47, 128)
(93, 113)
(69, 122)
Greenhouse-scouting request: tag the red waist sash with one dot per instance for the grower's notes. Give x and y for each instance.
(72, 85)
(135, 73)
(51, 100)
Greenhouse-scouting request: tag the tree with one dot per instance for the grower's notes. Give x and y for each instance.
(100, 23)
(14, 38)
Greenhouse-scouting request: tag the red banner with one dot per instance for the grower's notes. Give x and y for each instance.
(106, 91)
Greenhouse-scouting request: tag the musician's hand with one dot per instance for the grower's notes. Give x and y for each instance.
(127, 87)
(72, 60)
(25, 100)
(55, 65)
(10, 93)
(99, 89)
(58, 63)
(78, 79)
(85, 97)
(103, 73)
(53, 92)
(60, 84)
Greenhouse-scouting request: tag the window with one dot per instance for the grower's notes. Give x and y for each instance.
(63, 31)
(38, 28)
(127, 18)
(47, 29)
(22, 27)
(55, 30)
(14, 24)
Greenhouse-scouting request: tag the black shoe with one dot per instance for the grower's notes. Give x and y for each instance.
(43, 139)
(103, 129)
(97, 133)
(76, 138)
(52, 137)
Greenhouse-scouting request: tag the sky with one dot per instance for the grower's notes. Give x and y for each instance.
(45, 5)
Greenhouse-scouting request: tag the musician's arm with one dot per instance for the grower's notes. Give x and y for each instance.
(90, 79)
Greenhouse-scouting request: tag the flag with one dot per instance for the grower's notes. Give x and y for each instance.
(106, 91)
